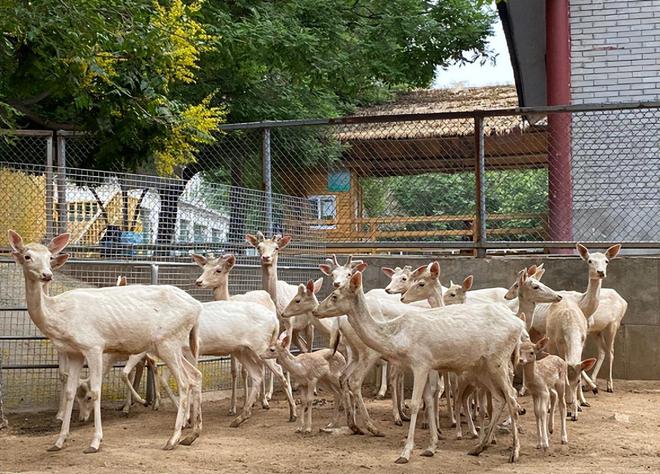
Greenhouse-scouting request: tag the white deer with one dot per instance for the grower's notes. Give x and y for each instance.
(85, 323)
(604, 308)
(215, 274)
(361, 358)
(240, 328)
(454, 338)
(280, 291)
(309, 369)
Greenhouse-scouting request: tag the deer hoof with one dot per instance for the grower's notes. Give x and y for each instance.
(190, 439)
(91, 450)
(427, 453)
(401, 460)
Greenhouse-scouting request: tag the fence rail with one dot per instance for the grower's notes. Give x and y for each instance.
(476, 181)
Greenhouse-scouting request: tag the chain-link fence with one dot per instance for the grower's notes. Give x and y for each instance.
(479, 180)
(485, 179)
(143, 227)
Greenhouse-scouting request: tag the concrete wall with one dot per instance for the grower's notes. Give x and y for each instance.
(615, 56)
(635, 278)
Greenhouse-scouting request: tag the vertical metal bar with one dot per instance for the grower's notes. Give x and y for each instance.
(62, 207)
(558, 87)
(480, 185)
(267, 179)
(50, 190)
(151, 384)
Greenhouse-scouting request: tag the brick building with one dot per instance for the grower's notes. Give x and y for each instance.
(607, 172)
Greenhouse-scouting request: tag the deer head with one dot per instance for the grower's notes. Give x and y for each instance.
(268, 249)
(215, 271)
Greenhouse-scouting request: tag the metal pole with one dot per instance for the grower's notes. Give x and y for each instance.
(558, 86)
(267, 179)
(480, 185)
(151, 385)
(61, 184)
(50, 189)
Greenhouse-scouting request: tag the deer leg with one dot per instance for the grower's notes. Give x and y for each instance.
(75, 363)
(234, 374)
(421, 375)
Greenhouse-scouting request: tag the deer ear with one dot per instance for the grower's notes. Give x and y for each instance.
(252, 239)
(419, 271)
(58, 243)
(388, 271)
(283, 241)
(522, 276)
(57, 262)
(356, 281)
(523, 317)
(198, 259)
(434, 268)
(539, 273)
(588, 364)
(531, 270)
(317, 285)
(16, 241)
(613, 251)
(467, 283)
(542, 344)
(310, 287)
(326, 269)
(230, 261)
(360, 267)
(582, 250)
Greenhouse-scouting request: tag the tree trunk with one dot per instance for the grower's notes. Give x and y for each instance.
(169, 209)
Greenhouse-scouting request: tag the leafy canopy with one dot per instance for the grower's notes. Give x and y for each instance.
(108, 66)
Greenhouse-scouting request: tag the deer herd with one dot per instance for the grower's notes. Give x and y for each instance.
(458, 343)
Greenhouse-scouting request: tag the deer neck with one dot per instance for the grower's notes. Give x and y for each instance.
(269, 279)
(526, 306)
(289, 362)
(435, 298)
(375, 334)
(221, 292)
(529, 370)
(589, 301)
(37, 304)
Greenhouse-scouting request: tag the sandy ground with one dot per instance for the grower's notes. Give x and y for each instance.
(267, 442)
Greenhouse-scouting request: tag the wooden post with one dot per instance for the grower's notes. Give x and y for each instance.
(480, 186)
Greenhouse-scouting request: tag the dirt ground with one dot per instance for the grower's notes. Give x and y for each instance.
(267, 442)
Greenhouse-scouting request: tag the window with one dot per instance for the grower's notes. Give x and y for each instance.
(199, 233)
(325, 208)
(184, 231)
(216, 236)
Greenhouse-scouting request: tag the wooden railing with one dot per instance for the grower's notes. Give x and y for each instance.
(371, 228)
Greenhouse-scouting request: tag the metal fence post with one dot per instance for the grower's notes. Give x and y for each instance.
(151, 385)
(480, 186)
(62, 207)
(50, 189)
(3, 420)
(267, 179)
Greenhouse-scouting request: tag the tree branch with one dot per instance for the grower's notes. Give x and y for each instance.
(39, 120)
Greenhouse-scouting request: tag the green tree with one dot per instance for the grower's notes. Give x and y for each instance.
(109, 67)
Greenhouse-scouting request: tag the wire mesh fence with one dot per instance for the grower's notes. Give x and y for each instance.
(143, 227)
(510, 178)
(468, 179)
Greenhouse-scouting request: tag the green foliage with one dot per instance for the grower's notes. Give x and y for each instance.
(507, 192)
(108, 66)
(147, 77)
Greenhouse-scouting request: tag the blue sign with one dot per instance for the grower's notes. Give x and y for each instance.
(339, 181)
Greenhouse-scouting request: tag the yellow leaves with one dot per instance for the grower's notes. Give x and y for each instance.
(196, 126)
(187, 38)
